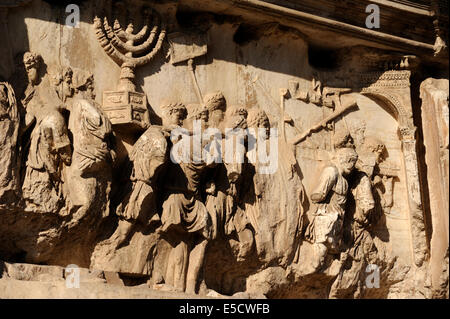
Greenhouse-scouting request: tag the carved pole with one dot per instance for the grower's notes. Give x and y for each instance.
(299, 138)
(187, 47)
(194, 80)
(283, 93)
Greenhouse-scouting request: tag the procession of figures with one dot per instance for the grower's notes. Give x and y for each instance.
(59, 153)
(204, 197)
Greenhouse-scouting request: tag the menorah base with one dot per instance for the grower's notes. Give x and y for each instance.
(126, 109)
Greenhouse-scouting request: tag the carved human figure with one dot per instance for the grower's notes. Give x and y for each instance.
(49, 149)
(372, 154)
(235, 218)
(257, 119)
(330, 195)
(9, 131)
(272, 200)
(184, 213)
(32, 64)
(244, 218)
(147, 158)
(223, 187)
(218, 184)
(186, 220)
(49, 142)
(361, 215)
(364, 202)
(93, 154)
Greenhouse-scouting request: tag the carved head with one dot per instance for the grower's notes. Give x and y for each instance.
(199, 112)
(236, 117)
(90, 86)
(31, 62)
(374, 146)
(342, 139)
(370, 154)
(173, 113)
(257, 118)
(358, 131)
(345, 159)
(84, 82)
(66, 78)
(216, 105)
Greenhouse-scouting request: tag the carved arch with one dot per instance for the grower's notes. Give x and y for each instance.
(391, 90)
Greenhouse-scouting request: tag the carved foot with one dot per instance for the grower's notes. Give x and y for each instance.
(167, 287)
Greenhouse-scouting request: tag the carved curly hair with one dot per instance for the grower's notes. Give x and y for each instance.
(215, 101)
(169, 107)
(257, 118)
(31, 60)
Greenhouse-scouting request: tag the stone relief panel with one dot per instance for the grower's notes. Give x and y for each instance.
(125, 158)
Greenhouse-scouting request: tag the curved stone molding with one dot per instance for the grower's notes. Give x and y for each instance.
(393, 87)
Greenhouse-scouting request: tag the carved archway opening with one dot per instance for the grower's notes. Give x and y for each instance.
(393, 101)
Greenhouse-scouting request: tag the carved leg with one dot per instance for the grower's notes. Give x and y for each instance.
(245, 243)
(320, 252)
(196, 258)
(176, 266)
(121, 233)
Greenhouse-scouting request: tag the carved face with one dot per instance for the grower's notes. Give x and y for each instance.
(67, 89)
(347, 158)
(90, 89)
(176, 117)
(266, 125)
(215, 118)
(66, 155)
(258, 119)
(203, 116)
(348, 167)
(236, 118)
(234, 170)
(32, 75)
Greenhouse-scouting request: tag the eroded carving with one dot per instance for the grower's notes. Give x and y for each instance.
(9, 158)
(324, 178)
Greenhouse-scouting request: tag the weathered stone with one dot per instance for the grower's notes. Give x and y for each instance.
(226, 149)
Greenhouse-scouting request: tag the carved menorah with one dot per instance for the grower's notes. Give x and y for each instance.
(129, 50)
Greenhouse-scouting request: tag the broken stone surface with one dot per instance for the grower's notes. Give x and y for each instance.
(434, 94)
(116, 168)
